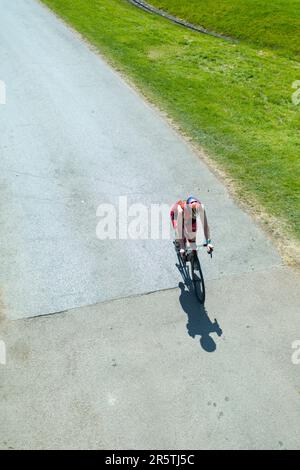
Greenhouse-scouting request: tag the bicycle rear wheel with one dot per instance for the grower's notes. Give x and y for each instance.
(198, 279)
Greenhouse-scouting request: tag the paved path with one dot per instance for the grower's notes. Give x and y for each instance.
(144, 371)
(128, 374)
(73, 136)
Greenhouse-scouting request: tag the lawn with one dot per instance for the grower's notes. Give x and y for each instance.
(272, 24)
(232, 99)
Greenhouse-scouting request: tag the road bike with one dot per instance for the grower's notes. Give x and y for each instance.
(194, 272)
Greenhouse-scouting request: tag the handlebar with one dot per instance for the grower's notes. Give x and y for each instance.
(189, 250)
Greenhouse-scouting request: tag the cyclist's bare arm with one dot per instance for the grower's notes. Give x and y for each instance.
(177, 222)
(204, 222)
(206, 229)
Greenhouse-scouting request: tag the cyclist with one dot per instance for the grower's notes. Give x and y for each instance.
(184, 216)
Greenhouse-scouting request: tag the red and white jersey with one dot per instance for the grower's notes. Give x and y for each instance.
(183, 221)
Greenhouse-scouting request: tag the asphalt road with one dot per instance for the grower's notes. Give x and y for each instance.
(152, 372)
(74, 136)
(125, 373)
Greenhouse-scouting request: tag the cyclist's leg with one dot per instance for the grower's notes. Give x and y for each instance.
(179, 232)
(179, 240)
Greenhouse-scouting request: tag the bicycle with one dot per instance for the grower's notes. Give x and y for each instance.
(195, 270)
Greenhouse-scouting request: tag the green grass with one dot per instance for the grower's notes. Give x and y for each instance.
(234, 100)
(273, 24)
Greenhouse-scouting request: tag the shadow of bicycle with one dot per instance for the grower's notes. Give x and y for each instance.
(199, 322)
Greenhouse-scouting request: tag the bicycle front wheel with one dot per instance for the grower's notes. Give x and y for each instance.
(198, 280)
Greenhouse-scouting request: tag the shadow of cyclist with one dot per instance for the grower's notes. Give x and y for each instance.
(199, 322)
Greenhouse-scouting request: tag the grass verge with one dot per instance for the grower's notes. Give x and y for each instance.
(274, 24)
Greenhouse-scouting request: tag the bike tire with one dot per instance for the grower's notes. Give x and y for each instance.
(198, 279)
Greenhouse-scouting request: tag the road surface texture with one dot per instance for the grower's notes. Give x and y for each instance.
(124, 367)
